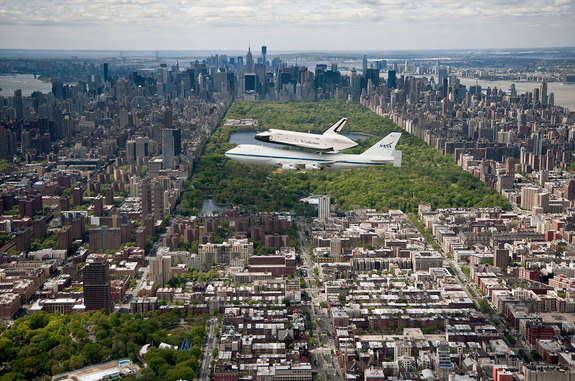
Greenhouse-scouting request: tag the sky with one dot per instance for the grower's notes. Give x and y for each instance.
(282, 25)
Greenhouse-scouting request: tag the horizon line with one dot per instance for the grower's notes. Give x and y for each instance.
(292, 50)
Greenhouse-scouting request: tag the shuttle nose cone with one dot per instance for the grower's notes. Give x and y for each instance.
(263, 136)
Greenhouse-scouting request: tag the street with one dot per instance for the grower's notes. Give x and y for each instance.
(323, 358)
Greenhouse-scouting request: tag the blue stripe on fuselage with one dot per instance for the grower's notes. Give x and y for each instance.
(300, 158)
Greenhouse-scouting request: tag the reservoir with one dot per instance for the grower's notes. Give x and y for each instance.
(26, 82)
(208, 208)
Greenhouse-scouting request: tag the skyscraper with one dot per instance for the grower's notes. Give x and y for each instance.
(18, 104)
(160, 269)
(323, 207)
(372, 74)
(537, 143)
(264, 54)
(570, 190)
(544, 98)
(364, 64)
(97, 290)
(391, 81)
(444, 365)
(167, 122)
(249, 82)
(171, 146)
(249, 62)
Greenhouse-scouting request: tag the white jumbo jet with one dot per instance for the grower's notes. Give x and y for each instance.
(329, 140)
(383, 152)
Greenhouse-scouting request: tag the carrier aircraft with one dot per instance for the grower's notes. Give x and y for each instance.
(383, 152)
(330, 140)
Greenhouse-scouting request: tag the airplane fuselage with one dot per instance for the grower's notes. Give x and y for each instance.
(291, 159)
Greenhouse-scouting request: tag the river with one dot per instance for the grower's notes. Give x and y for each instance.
(26, 82)
(564, 93)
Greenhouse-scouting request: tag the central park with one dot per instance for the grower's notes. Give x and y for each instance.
(426, 176)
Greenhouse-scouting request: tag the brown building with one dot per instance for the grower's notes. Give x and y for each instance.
(97, 289)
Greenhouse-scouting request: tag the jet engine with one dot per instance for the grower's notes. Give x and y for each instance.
(289, 167)
(313, 167)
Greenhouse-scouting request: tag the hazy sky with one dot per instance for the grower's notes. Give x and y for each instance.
(285, 25)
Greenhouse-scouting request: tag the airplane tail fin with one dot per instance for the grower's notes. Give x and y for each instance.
(336, 128)
(384, 150)
(397, 158)
(385, 145)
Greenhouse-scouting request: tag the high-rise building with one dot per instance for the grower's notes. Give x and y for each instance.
(510, 167)
(364, 64)
(544, 98)
(372, 74)
(537, 143)
(570, 190)
(264, 54)
(106, 72)
(160, 269)
(97, 290)
(323, 207)
(18, 104)
(167, 121)
(444, 365)
(98, 206)
(124, 118)
(145, 192)
(249, 62)
(391, 80)
(501, 258)
(171, 146)
(249, 82)
(137, 149)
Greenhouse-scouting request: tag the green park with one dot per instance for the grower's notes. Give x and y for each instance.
(426, 176)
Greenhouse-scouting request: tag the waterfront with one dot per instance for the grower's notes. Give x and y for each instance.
(28, 83)
(564, 93)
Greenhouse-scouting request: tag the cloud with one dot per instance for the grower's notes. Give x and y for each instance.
(256, 12)
(234, 18)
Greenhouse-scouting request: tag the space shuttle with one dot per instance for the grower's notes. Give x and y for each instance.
(330, 140)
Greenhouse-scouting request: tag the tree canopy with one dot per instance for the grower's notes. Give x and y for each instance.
(426, 176)
(42, 344)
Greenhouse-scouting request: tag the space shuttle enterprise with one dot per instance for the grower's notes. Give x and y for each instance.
(330, 140)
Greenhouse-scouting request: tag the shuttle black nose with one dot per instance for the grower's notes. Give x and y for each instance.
(263, 137)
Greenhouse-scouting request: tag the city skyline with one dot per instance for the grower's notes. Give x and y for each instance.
(341, 25)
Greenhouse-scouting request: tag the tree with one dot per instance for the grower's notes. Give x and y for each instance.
(92, 353)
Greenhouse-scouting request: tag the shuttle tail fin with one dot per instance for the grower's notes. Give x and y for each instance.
(336, 128)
